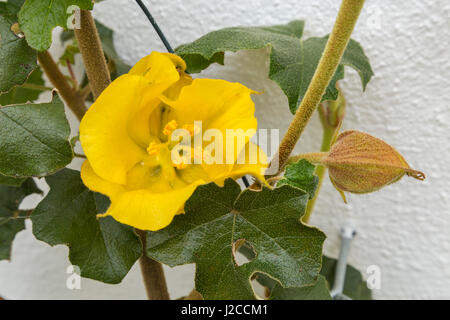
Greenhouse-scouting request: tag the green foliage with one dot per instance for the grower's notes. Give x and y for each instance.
(38, 18)
(301, 175)
(317, 291)
(102, 248)
(292, 60)
(69, 54)
(11, 7)
(11, 181)
(17, 59)
(354, 287)
(216, 223)
(12, 220)
(25, 93)
(34, 139)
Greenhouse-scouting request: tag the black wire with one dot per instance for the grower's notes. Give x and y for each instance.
(245, 181)
(169, 48)
(155, 26)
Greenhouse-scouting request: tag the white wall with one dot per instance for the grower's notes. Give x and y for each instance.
(405, 228)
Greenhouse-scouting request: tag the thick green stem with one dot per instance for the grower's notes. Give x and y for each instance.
(335, 47)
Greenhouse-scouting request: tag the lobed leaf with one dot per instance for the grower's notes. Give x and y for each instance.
(218, 220)
(12, 220)
(23, 94)
(34, 139)
(317, 291)
(293, 61)
(301, 175)
(103, 249)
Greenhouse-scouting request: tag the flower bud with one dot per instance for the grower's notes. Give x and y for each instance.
(361, 163)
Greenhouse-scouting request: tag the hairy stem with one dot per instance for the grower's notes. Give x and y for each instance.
(92, 52)
(153, 274)
(328, 134)
(331, 114)
(74, 101)
(335, 47)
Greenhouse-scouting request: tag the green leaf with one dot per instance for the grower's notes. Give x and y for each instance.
(301, 175)
(11, 7)
(17, 59)
(11, 181)
(26, 93)
(354, 287)
(69, 54)
(38, 18)
(317, 291)
(103, 249)
(292, 60)
(218, 220)
(12, 220)
(34, 139)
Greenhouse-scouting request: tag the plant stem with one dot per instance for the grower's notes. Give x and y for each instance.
(72, 74)
(92, 52)
(328, 134)
(153, 273)
(331, 115)
(335, 47)
(73, 100)
(313, 157)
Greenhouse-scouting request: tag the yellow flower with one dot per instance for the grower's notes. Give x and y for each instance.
(127, 136)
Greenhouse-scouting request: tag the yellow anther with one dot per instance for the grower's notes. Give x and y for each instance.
(153, 148)
(169, 127)
(181, 165)
(192, 128)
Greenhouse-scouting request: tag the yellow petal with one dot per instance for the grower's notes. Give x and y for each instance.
(97, 184)
(164, 73)
(255, 164)
(159, 67)
(220, 105)
(115, 129)
(103, 130)
(147, 210)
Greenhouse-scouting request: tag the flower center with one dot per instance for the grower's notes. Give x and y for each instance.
(161, 153)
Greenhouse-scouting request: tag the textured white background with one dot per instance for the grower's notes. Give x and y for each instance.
(404, 229)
